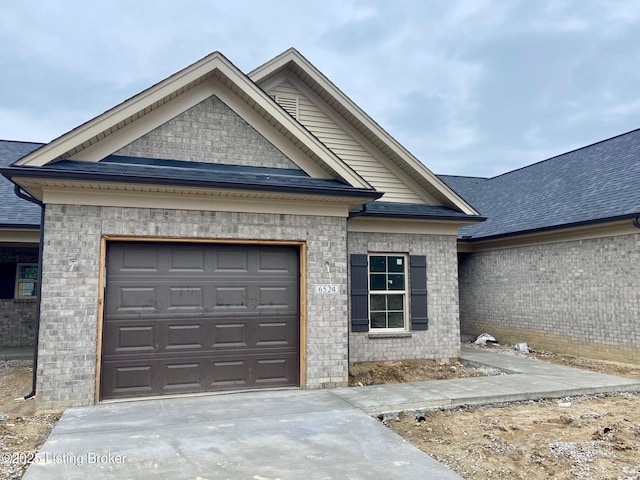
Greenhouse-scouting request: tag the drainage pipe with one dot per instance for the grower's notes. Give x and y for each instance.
(25, 196)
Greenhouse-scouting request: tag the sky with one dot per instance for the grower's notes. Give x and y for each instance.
(470, 87)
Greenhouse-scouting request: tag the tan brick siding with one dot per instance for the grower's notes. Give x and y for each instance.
(442, 340)
(210, 132)
(580, 296)
(69, 323)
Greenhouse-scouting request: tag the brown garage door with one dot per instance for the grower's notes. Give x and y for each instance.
(199, 317)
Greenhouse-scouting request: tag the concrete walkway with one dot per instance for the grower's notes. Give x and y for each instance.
(527, 379)
(290, 434)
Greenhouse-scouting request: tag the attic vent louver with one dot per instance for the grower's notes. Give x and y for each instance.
(289, 103)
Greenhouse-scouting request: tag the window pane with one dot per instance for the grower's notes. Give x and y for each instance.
(395, 302)
(396, 320)
(27, 289)
(27, 272)
(378, 264)
(378, 302)
(378, 320)
(378, 281)
(396, 281)
(396, 264)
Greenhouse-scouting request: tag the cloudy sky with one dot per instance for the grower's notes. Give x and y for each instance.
(471, 87)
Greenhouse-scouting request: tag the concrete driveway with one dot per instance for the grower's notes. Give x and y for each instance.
(288, 434)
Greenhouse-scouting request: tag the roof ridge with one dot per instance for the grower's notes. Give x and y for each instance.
(565, 153)
(462, 176)
(22, 141)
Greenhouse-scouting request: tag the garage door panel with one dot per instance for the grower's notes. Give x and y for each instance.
(182, 375)
(229, 335)
(190, 260)
(227, 298)
(274, 262)
(275, 333)
(184, 337)
(280, 297)
(132, 299)
(231, 260)
(274, 371)
(229, 374)
(192, 317)
(125, 338)
(128, 380)
(138, 259)
(188, 298)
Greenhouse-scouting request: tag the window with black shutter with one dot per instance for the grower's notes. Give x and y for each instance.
(382, 288)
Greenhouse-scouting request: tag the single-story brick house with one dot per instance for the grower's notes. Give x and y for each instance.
(556, 264)
(222, 231)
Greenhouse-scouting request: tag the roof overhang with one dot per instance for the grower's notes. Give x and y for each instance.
(19, 234)
(415, 212)
(118, 191)
(600, 228)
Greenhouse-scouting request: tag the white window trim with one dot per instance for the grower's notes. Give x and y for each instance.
(17, 292)
(404, 293)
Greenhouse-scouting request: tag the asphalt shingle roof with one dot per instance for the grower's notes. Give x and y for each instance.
(595, 183)
(208, 175)
(13, 209)
(413, 211)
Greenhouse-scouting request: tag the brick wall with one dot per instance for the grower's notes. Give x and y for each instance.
(69, 317)
(17, 317)
(17, 323)
(442, 340)
(210, 132)
(581, 297)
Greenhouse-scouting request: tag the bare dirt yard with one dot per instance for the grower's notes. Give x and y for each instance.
(22, 429)
(596, 437)
(371, 373)
(579, 438)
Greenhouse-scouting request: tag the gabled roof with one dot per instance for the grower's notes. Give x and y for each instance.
(596, 183)
(212, 74)
(14, 211)
(292, 61)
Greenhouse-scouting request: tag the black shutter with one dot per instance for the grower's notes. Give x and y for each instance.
(418, 278)
(359, 293)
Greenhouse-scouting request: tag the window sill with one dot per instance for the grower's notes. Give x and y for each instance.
(25, 300)
(380, 335)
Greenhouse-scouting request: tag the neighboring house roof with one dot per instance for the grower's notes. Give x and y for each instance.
(293, 63)
(14, 211)
(137, 170)
(596, 183)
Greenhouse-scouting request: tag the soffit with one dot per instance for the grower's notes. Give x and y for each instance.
(54, 190)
